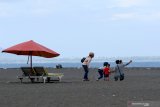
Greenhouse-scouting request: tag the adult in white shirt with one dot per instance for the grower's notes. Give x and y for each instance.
(85, 65)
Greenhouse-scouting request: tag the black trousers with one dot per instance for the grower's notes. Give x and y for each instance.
(85, 67)
(100, 71)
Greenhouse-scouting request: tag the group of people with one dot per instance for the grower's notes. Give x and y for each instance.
(105, 71)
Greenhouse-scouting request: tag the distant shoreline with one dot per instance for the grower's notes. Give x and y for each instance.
(78, 65)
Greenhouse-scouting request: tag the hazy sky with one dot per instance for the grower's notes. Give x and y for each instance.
(75, 27)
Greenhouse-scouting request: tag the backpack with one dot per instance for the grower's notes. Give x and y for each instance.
(82, 60)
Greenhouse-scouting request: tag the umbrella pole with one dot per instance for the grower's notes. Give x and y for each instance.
(32, 79)
(31, 61)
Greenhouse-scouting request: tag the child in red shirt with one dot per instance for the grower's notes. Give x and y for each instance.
(106, 71)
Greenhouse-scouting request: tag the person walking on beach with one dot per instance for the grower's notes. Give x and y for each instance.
(85, 65)
(119, 68)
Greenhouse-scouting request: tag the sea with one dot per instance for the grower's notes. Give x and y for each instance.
(78, 64)
(17, 61)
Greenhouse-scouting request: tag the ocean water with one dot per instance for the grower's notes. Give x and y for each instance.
(78, 65)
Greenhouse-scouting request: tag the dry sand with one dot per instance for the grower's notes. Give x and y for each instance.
(140, 84)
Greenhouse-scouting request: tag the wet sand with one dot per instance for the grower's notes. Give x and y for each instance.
(140, 84)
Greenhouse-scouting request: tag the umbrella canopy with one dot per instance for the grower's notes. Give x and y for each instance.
(31, 48)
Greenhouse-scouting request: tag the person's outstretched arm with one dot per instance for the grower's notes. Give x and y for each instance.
(128, 63)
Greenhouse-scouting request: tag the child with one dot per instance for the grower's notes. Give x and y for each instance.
(100, 70)
(106, 71)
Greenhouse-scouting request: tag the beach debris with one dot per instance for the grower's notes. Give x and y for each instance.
(103, 95)
(113, 95)
(148, 68)
(134, 97)
(8, 82)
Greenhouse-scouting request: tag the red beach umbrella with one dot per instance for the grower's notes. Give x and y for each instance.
(31, 48)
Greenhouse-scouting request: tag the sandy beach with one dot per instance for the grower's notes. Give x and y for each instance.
(140, 84)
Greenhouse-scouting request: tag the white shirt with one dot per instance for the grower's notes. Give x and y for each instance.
(87, 61)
